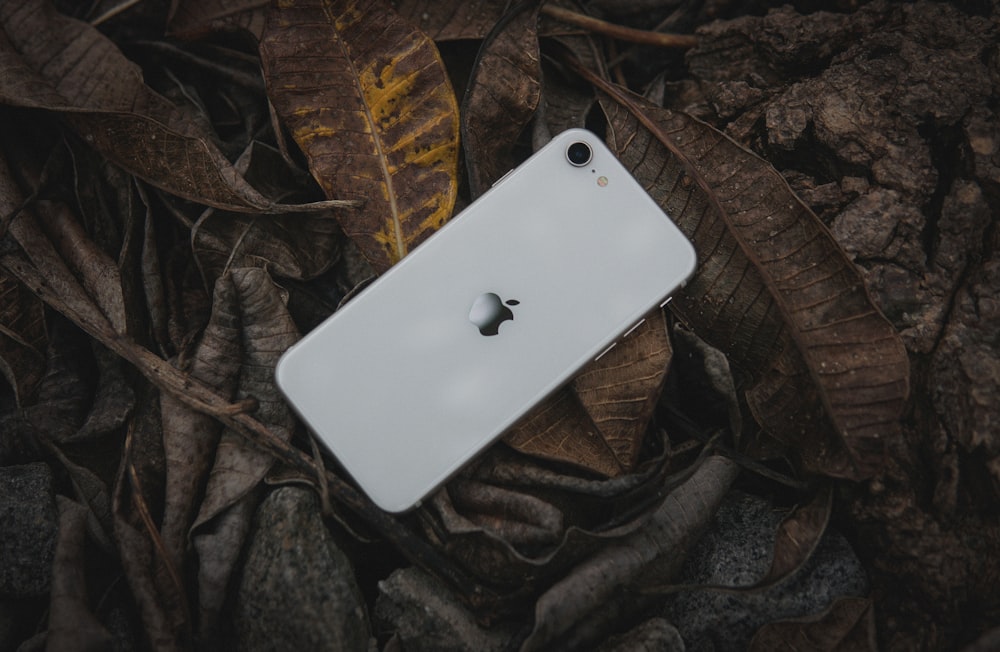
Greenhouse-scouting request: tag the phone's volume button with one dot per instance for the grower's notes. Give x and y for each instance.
(601, 354)
(637, 325)
(664, 304)
(505, 175)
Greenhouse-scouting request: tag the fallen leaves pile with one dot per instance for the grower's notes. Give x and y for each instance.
(186, 189)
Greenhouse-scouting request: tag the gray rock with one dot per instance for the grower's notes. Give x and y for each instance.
(427, 617)
(737, 551)
(28, 527)
(297, 589)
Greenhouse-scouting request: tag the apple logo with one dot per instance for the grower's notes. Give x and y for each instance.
(488, 312)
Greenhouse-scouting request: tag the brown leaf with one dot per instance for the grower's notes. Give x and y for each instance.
(514, 521)
(653, 553)
(48, 61)
(848, 625)
(773, 290)
(560, 429)
(516, 517)
(192, 19)
(266, 331)
(92, 493)
(598, 422)
(296, 246)
(23, 337)
(797, 537)
(451, 21)
(152, 578)
(98, 273)
(218, 548)
(368, 100)
(72, 624)
(620, 390)
(502, 95)
(189, 437)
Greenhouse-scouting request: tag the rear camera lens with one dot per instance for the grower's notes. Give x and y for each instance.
(579, 154)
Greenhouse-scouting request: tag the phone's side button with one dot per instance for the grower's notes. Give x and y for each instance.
(601, 354)
(505, 175)
(637, 325)
(664, 304)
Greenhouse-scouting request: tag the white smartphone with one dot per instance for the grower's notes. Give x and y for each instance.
(437, 358)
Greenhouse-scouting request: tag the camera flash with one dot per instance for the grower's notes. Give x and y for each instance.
(602, 181)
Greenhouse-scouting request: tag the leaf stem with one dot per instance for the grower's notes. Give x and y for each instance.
(114, 11)
(620, 32)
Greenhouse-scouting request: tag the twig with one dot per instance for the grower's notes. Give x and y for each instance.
(204, 399)
(619, 32)
(114, 11)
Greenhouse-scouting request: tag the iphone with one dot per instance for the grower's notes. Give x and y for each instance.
(433, 361)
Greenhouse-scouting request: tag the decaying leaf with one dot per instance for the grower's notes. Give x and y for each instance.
(598, 421)
(773, 290)
(620, 390)
(23, 337)
(652, 553)
(266, 331)
(189, 437)
(47, 59)
(368, 100)
(153, 579)
(798, 535)
(98, 273)
(296, 246)
(502, 95)
(450, 21)
(847, 626)
(72, 625)
(513, 520)
(193, 19)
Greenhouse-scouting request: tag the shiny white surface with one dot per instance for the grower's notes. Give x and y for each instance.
(401, 386)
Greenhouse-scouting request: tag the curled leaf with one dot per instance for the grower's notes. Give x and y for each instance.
(193, 19)
(367, 98)
(450, 21)
(773, 290)
(46, 62)
(598, 422)
(653, 552)
(72, 624)
(848, 625)
(502, 95)
(23, 337)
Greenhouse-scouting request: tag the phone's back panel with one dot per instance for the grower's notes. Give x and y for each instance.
(403, 388)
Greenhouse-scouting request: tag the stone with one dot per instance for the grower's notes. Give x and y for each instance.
(297, 589)
(28, 528)
(737, 551)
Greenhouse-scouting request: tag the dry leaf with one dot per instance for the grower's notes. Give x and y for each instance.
(502, 95)
(773, 290)
(192, 19)
(72, 624)
(368, 100)
(266, 331)
(23, 337)
(652, 553)
(47, 60)
(152, 578)
(189, 437)
(98, 273)
(848, 625)
(512, 540)
(598, 422)
(451, 21)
